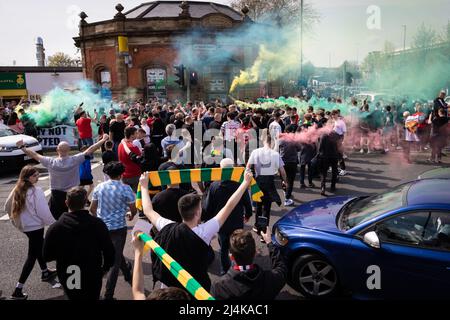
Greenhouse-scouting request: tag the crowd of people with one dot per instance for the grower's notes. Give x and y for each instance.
(88, 228)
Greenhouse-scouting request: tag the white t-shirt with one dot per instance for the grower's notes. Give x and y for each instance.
(206, 231)
(137, 143)
(147, 133)
(340, 127)
(275, 129)
(267, 161)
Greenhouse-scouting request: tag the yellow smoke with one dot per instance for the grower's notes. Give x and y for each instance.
(274, 62)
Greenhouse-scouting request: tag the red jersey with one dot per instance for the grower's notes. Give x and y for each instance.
(150, 121)
(84, 128)
(132, 169)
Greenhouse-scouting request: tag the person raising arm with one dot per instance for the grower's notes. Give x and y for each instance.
(62, 148)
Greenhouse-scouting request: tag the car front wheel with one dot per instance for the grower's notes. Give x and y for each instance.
(314, 277)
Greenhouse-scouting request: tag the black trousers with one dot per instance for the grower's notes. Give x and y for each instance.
(157, 141)
(118, 237)
(35, 243)
(303, 173)
(57, 203)
(324, 165)
(291, 173)
(263, 209)
(341, 153)
(91, 283)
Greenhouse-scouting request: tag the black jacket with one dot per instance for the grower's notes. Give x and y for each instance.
(79, 239)
(218, 194)
(328, 146)
(255, 284)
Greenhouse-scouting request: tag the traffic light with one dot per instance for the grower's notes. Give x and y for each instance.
(193, 78)
(179, 74)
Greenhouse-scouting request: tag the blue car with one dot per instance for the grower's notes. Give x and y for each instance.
(395, 245)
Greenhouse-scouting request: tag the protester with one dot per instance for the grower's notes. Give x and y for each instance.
(411, 137)
(85, 129)
(307, 153)
(117, 131)
(218, 194)
(246, 280)
(29, 211)
(79, 243)
(188, 242)
(266, 163)
(340, 129)
(63, 171)
(289, 149)
(171, 139)
(146, 128)
(130, 156)
(86, 177)
(111, 201)
(327, 156)
(439, 135)
(439, 103)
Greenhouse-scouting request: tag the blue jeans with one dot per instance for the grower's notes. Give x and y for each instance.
(225, 262)
(87, 142)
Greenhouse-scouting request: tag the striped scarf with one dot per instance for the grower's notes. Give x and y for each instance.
(164, 178)
(191, 285)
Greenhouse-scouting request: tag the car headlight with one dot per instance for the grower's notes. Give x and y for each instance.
(6, 149)
(281, 239)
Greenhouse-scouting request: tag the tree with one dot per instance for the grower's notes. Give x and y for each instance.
(425, 37)
(283, 11)
(61, 59)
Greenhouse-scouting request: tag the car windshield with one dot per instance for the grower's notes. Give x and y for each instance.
(364, 209)
(4, 132)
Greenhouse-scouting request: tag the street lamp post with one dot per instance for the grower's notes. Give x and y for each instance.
(404, 37)
(301, 39)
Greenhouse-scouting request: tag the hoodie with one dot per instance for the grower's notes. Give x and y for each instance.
(79, 239)
(254, 284)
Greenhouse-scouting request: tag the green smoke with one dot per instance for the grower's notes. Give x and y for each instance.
(59, 105)
(417, 73)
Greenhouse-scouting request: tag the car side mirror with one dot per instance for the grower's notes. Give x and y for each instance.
(372, 240)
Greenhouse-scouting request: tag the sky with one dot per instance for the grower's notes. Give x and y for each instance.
(348, 29)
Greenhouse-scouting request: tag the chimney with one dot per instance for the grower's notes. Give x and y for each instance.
(40, 52)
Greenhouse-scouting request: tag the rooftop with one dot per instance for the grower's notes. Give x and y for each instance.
(172, 9)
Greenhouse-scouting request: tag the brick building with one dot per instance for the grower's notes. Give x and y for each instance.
(139, 48)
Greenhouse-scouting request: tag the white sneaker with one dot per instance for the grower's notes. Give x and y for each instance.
(386, 150)
(368, 152)
(345, 157)
(288, 202)
(361, 151)
(342, 173)
(329, 170)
